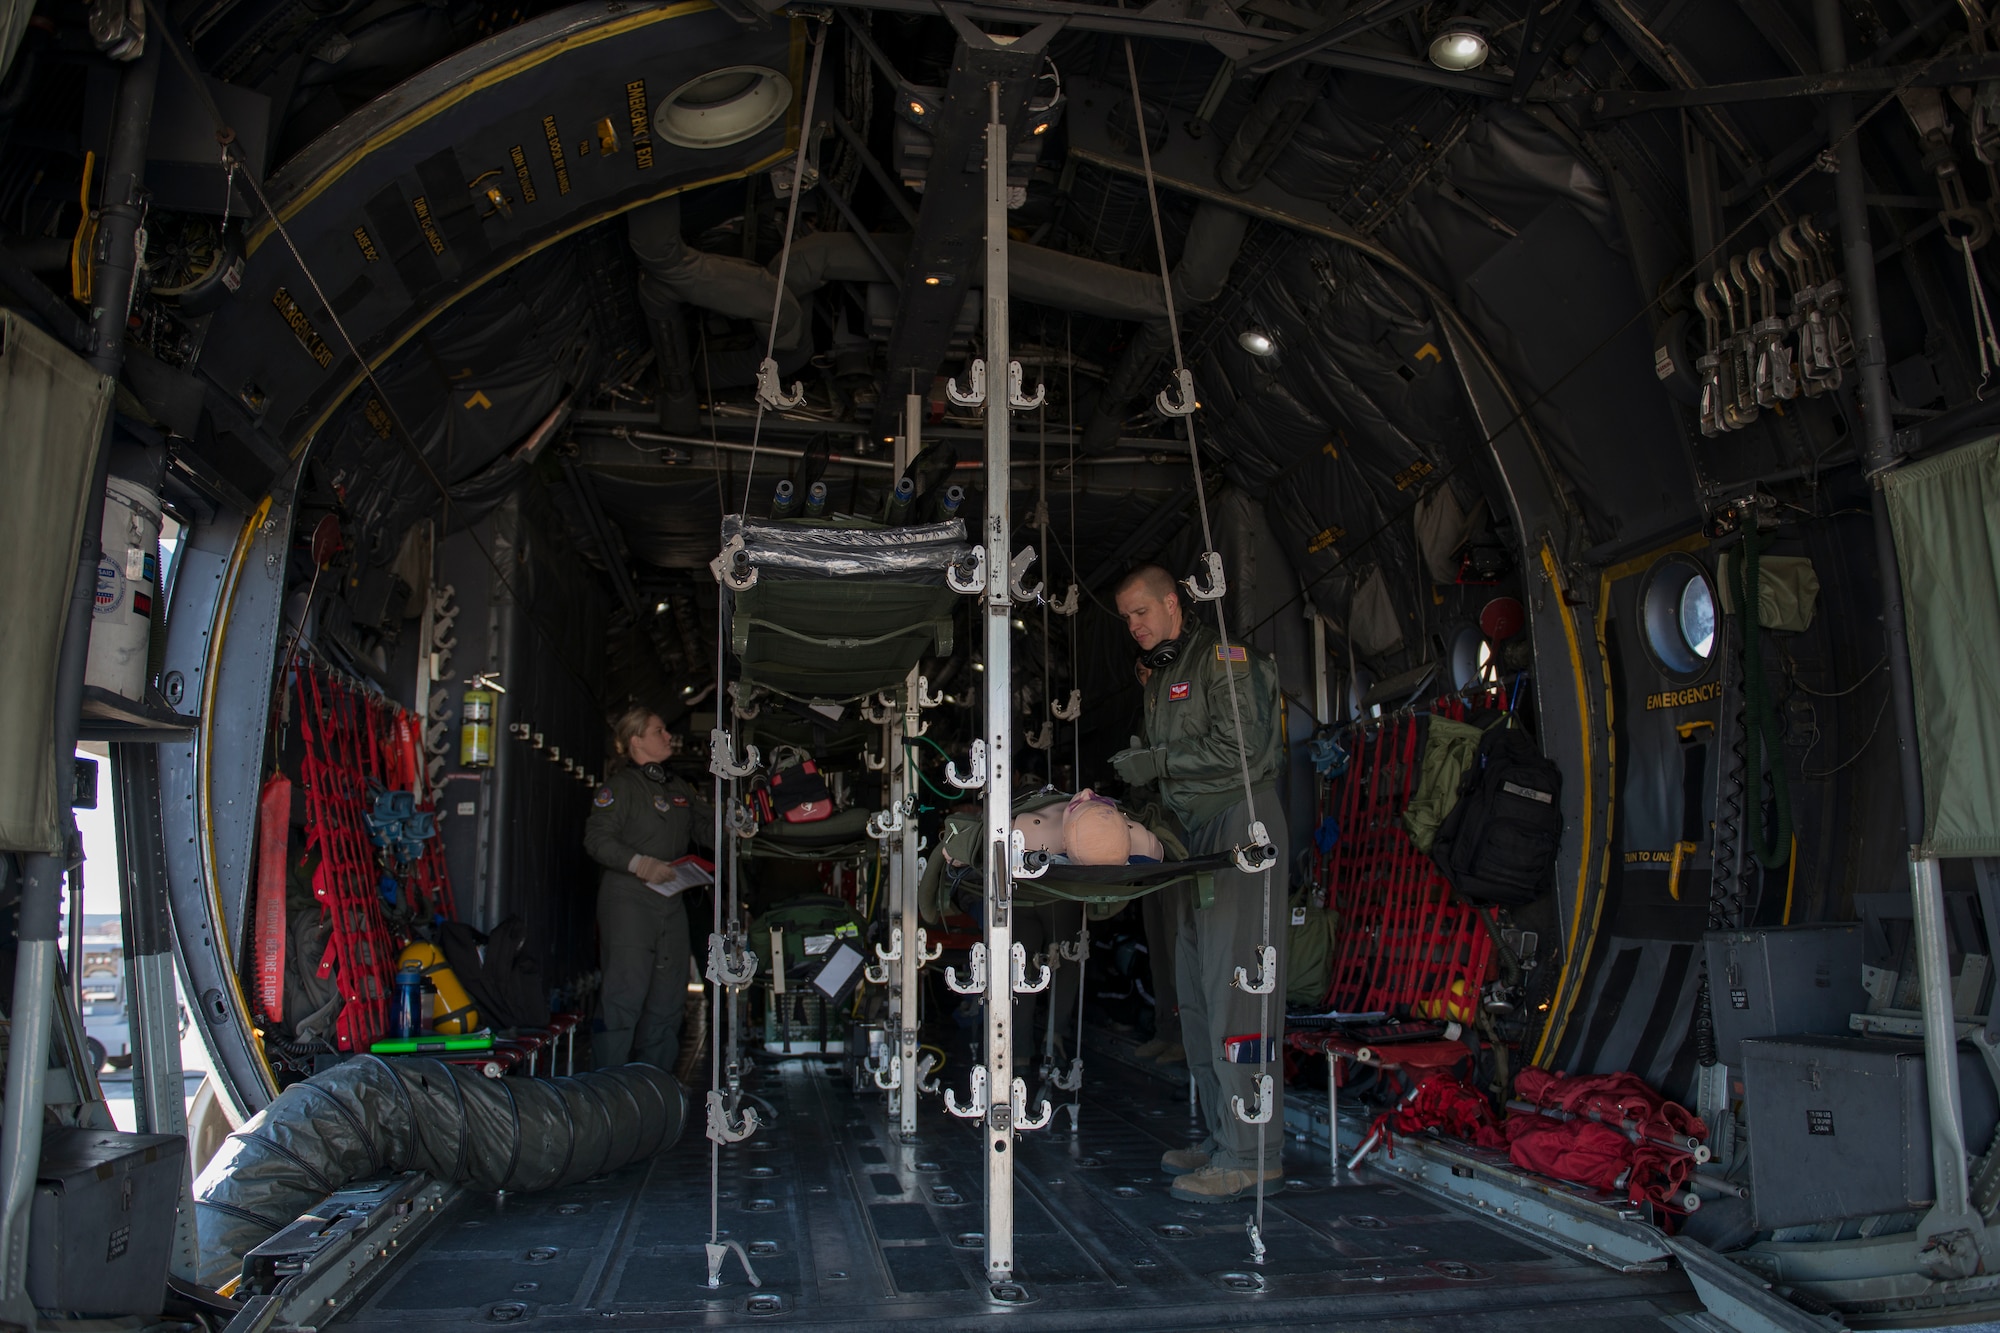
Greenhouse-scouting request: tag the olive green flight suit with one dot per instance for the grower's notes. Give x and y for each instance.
(1188, 715)
(642, 934)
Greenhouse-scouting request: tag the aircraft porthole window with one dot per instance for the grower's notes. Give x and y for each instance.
(1677, 610)
(1471, 658)
(723, 107)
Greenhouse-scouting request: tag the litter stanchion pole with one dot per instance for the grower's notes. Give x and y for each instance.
(902, 784)
(999, 716)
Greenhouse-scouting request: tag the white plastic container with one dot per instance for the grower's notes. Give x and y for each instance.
(122, 614)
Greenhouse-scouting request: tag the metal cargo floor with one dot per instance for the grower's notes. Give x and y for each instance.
(852, 1228)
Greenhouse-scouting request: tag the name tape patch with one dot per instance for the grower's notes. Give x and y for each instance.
(1529, 793)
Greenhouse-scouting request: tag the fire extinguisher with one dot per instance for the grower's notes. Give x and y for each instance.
(475, 720)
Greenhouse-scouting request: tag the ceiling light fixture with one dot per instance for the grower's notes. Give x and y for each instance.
(1459, 45)
(1257, 342)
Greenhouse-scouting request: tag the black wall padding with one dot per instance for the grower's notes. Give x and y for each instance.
(369, 1117)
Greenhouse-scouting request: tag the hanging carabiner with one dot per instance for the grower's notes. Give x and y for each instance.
(1209, 585)
(975, 377)
(1182, 406)
(1043, 737)
(1018, 400)
(1073, 709)
(1066, 604)
(770, 394)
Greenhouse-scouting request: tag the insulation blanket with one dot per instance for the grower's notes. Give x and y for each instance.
(371, 1117)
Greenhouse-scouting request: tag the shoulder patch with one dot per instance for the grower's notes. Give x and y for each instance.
(660, 804)
(680, 800)
(1236, 653)
(1180, 690)
(603, 798)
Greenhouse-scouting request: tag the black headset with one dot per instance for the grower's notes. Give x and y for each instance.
(1161, 654)
(654, 772)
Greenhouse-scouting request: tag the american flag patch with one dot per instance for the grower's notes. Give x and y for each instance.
(1235, 653)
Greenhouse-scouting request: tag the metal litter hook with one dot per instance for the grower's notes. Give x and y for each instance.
(1185, 404)
(1066, 604)
(729, 963)
(1257, 855)
(976, 1108)
(1017, 569)
(1016, 398)
(769, 392)
(977, 778)
(1071, 710)
(1267, 973)
(721, 1129)
(973, 582)
(1021, 986)
(1265, 1102)
(725, 566)
(1210, 585)
(1020, 1101)
(722, 756)
(975, 966)
(975, 376)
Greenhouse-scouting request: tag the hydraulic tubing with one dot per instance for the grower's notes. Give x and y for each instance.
(1952, 1230)
(41, 892)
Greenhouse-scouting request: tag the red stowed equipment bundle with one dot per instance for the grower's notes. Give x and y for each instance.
(1446, 1103)
(1620, 1134)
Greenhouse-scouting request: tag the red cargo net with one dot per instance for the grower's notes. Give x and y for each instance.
(352, 739)
(1402, 938)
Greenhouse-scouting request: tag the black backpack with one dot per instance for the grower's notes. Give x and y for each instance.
(497, 971)
(1498, 844)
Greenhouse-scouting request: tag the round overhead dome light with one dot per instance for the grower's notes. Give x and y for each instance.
(723, 107)
(1257, 342)
(1459, 45)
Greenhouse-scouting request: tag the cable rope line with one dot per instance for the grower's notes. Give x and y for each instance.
(769, 396)
(1216, 590)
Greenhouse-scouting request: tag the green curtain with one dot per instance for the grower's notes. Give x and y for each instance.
(53, 407)
(1945, 513)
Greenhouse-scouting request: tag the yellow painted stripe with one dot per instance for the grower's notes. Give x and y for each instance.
(204, 734)
(1573, 967)
(458, 93)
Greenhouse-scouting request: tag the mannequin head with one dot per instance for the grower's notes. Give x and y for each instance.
(1097, 832)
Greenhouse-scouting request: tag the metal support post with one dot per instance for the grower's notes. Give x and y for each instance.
(999, 714)
(1953, 1235)
(36, 965)
(152, 1001)
(902, 782)
(1322, 692)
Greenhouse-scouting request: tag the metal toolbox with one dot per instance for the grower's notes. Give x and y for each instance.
(1841, 1127)
(1782, 981)
(102, 1226)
